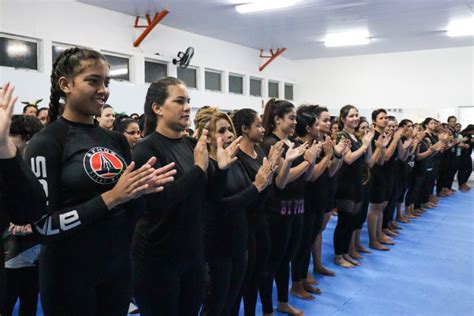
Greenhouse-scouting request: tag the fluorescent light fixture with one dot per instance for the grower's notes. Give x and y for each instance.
(264, 5)
(17, 49)
(463, 27)
(118, 72)
(347, 39)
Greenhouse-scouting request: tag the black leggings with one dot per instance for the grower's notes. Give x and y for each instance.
(258, 255)
(465, 170)
(22, 283)
(389, 211)
(347, 213)
(164, 287)
(223, 287)
(361, 216)
(285, 234)
(312, 223)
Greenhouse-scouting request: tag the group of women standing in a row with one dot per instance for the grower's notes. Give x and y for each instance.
(208, 221)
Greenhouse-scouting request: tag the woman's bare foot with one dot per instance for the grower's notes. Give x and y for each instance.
(341, 261)
(286, 308)
(310, 280)
(311, 289)
(403, 219)
(378, 246)
(350, 260)
(354, 254)
(324, 271)
(298, 291)
(362, 249)
(394, 225)
(390, 232)
(387, 241)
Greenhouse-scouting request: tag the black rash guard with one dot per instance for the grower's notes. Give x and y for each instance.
(350, 177)
(289, 200)
(172, 226)
(76, 163)
(226, 233)
(22, 201)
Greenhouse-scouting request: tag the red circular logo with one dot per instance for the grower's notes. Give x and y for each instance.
(103, 165)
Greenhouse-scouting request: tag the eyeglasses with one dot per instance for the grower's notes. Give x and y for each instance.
(132, 132)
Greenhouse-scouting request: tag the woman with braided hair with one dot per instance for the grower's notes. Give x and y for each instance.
(91, 193)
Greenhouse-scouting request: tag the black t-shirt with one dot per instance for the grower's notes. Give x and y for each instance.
(173, 224)
(251, 165)
(350, 177)
(76, 163)
(226, 229)
(317, 191)
(289, 200)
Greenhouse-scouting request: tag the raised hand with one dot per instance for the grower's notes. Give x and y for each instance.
(369, 135)
(7, 101)
(131, 184)
(160, 177)
(398, 134)
(264, 176)
(408, 143)
(386, 140)
(275, 153)
(328, 147)
(278, 147)
(340, 147)
(201, 155)
(312, 152)
(292, 153)
(225, 157)
(379, 143)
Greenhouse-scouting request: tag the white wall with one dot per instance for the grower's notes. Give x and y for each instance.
(70, 22)
(422, 83)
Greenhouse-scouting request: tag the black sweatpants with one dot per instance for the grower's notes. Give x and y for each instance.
(84, 287)
(285, 235)
(258, 255)
(312, 223)
(167, 287)
(23, 284)
(347, 213)
(224, 284)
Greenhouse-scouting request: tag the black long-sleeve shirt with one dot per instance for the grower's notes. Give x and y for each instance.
(290, 199)
(226, 229)
(76, 163)
(22, 201)
(173, 224)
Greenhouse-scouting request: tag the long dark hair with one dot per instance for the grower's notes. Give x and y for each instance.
(243, 118)
(427, 121)
(343, 114)
(157, 93)
(67, 64)
(275, 108)
(305, 117)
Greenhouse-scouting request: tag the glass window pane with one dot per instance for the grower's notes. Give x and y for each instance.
(213, 81)
(18, 53)
(188, 76)
(119, 67)
(236, 84)
(155, 71)
(288, 91)
(255, 87)
(272, 89)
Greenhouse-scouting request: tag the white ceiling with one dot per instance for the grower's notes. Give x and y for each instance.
(394, 25)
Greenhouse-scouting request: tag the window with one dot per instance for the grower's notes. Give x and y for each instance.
(188, 76)
(155, 70)
(18, 53)
(273, 89)
(119, 67)
(256, 87)
(212, 80)
(58, 49)
(288, 91)
(236, 84)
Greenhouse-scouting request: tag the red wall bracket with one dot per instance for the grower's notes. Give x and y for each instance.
(271, 58)
(150, 25)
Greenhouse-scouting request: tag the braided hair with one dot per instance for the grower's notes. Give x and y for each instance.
(67, 64)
